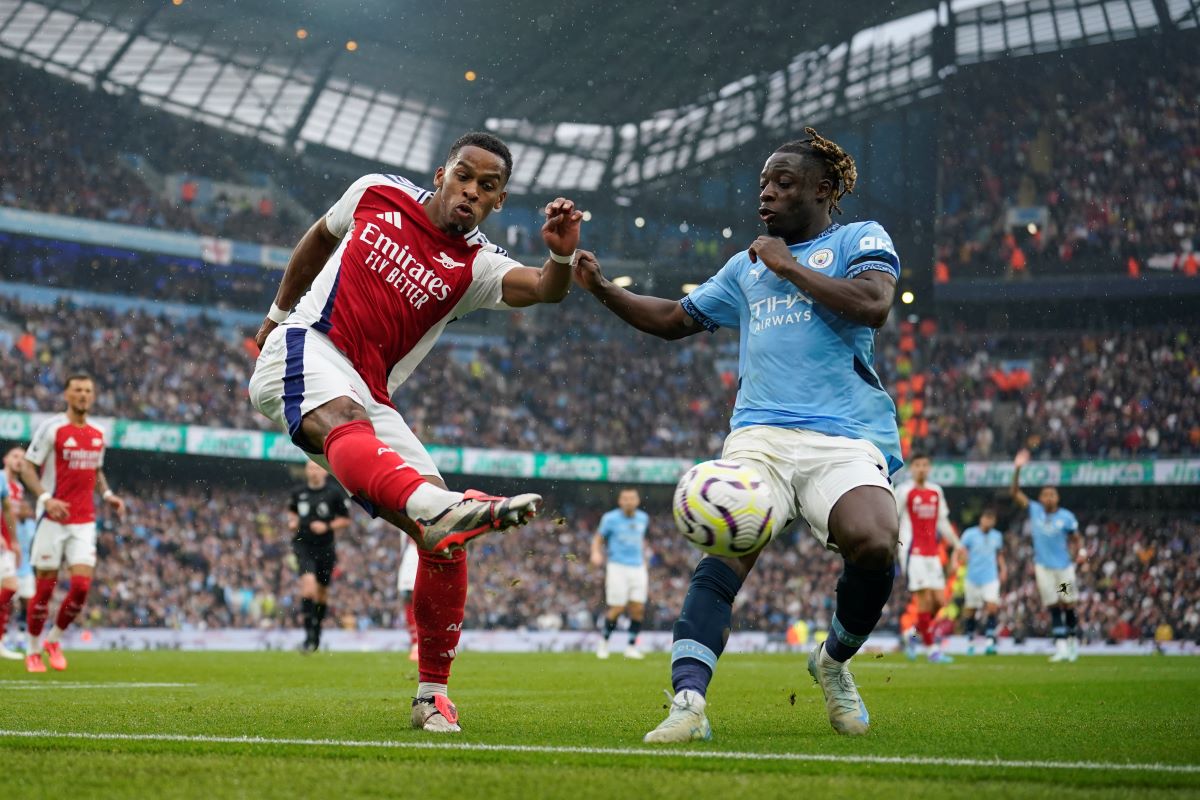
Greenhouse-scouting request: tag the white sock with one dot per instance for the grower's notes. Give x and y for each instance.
(32, 645)
(429, 501)
(426, 690)
(55, 634)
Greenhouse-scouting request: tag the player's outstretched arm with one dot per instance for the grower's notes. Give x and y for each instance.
(527, 286)
(866, 299)
(1014, 489)
(310, 255)
(654, 315)
(56, 509)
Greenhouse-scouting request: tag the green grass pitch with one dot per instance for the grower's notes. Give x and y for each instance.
(167, 725)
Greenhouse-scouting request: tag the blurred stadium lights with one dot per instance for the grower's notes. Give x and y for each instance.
(908, 298)
(235, 72)
(639, 222)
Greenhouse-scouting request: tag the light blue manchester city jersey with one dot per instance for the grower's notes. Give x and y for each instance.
(982, 548)
(624, 536)
(800, 365)
(1050, 533)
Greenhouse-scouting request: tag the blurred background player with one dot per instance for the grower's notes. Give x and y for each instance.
(924, 516)
(14, 460)
(316, 512)
(377, 280)
(806, 299)
(9, 557)
(1057, 547)
(620, 547)
(406, 583)
(982, 549)
(64, 469)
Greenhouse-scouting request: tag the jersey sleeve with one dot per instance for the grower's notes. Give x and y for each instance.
(338, 505)
(42, 444)
(945, 529)
(871, 248)
(340, 215)
(605, 529)
(487, 281)
(1071, 522)
(717, 302)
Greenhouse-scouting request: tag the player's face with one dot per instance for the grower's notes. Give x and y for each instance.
(791, 194)
(987, 521)
(629, 501)
(80, 396)
(920, 469)
(314, 474)
(14, 459)
(1048, 497)
(471, 186)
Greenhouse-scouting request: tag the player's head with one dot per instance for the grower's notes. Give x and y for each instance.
(987, 519)
(919, 465)
(628, 499)
(80, 392)
(470, 185)
(314, 474)
(1048, 497)
(14, 459)
(802, 181)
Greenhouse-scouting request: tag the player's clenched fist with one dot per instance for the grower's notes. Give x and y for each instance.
(773, 252)
(587, 271)
(561, 230)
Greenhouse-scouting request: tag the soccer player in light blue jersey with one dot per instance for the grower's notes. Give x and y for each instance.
(981, 547)
(620, 546)
(811, 415)
(1057, 548)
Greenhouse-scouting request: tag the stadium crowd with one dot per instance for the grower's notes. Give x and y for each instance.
(594, 386)
(1114, 159)
(191, 559)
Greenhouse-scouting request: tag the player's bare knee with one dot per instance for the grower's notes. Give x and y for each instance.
(317, 424)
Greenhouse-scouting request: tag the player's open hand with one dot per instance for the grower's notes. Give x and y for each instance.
(58, 510)
(587, 271)
(117, 504)
(1021, 459)
(561, 230)
(773, 252)
(264, 331)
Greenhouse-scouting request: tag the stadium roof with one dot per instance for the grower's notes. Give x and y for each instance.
(591, 95)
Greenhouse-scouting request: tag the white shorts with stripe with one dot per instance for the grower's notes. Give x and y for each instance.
(55, 543)
(807, 472)
(299, 369)
(1056, 586)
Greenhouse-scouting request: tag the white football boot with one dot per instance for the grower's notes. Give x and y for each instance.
(632, 652)
(435, 714)
(602, 649)
(1061, 653)
(685, 722)
(1073, 649)
(847, 712)
(475, 514)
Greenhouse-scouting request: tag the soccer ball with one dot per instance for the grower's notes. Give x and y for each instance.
(724, 509)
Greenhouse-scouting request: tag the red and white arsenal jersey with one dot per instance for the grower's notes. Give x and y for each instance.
(16, 495)
(396, 280)
(69, 456)
(923, 511)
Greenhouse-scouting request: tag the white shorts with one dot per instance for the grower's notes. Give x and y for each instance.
(925, 572)
(624, 584)
(54, 543)
(299, 369)
(1050, 583)
(978, 595)
(807, 472)
(407, 580)
(8, 567)
(26, 586)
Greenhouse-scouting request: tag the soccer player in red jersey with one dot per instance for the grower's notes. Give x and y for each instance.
(10, 557)
(376, 281)
(18, 541)
(923, 516)
(69, 452)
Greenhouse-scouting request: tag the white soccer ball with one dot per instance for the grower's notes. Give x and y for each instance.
(725, 509)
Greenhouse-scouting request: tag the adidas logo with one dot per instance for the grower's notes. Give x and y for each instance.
(70, 442)
(390, 217)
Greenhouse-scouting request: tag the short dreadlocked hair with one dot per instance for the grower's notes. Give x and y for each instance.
(839, 166)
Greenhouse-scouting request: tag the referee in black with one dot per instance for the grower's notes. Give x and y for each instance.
(317, 510)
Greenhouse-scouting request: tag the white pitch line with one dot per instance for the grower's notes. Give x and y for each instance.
(51, 685)
(933, 761)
